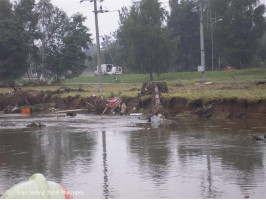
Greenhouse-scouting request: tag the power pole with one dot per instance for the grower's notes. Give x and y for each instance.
(98, 47)
(98, 43)
(202, 48)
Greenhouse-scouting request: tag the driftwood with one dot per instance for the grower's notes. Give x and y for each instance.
(69, 111)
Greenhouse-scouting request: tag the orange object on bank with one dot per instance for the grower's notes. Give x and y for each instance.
(25, 111)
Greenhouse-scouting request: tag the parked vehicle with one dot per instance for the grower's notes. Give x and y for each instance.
(108, 69)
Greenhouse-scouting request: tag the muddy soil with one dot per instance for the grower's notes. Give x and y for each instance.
(44, 100)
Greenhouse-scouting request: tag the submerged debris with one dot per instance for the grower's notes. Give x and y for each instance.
(36, 125)
(261, 137)
(71, 114)
(156, 118)
(7, 124)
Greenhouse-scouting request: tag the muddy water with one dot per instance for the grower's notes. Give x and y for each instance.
(125, 157)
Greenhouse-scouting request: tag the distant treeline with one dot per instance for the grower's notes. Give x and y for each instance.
(40, 39)
(150, 39)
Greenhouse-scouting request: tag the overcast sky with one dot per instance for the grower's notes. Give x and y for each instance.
(108, 22)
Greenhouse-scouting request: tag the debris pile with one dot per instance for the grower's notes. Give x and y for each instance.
(113, 104)
(148, 88)
(12, 101)
(155, 89)
(96, 104)
(36, 125)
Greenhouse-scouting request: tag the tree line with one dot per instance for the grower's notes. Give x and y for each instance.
(150, 39)
(41, 38)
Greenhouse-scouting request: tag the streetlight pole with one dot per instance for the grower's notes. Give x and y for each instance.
(212, 41)
(212, 23)
(202, 49)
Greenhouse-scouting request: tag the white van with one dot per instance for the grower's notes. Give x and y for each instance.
(109, 69)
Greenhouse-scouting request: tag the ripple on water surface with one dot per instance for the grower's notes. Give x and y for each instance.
(126, 157)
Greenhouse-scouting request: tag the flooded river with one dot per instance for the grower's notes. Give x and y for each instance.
(125, 157)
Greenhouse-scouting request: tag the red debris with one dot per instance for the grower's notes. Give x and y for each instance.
(114, 103)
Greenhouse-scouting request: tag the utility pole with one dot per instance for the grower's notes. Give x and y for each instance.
(98, 47)
(98, 42)
(212, 23)
(202, 49)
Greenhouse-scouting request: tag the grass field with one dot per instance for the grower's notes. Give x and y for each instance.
(247, 75)
(239, 84)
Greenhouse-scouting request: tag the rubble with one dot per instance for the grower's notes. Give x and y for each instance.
(149, 87)
(113, 104)
(7, 124)
(123, 109)
(11, 109)
(71, 114)
(155, 89)
(36, 125)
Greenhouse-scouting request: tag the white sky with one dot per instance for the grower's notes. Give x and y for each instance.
(108, 22)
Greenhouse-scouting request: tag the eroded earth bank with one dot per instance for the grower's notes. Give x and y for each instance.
(144, 102)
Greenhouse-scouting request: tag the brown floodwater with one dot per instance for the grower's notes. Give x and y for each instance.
(127, 157)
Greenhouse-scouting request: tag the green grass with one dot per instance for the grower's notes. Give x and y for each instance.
(128, 78)
(186, 78)
(238, 84)
(224, 84)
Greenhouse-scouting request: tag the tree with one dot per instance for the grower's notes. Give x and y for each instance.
(144, 37)
(13, 60)
(239, 33)
(183, 25)
(262, 49)
(52, 24)
(26, 15)
(76, 39)
(63, 41)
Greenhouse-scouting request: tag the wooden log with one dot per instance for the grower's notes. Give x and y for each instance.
(75, 110)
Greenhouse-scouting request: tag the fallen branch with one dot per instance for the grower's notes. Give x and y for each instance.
(75, 110)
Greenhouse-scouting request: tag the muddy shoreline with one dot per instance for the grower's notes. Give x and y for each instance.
(46, 101)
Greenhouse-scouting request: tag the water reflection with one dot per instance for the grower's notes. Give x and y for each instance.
(106, 192)
(152, 152)
(234, 156)
(52, 151)
(123, 157)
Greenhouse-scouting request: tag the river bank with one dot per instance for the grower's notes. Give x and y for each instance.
(67, 98)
